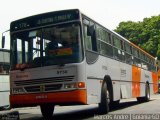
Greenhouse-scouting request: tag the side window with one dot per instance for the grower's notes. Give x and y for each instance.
(143, 62)
(90, 41)
(116, 42)
(118, 48)
(136, 54)
(104, 40)
(106, 49)
(90, 37)
(128, 50)
(102, 34)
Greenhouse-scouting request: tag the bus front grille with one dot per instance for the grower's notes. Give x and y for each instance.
(42, 88)
(44, 81)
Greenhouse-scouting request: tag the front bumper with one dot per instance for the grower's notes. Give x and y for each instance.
(57, 98)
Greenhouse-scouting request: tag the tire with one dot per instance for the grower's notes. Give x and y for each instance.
(105, 100)
(47, 111)
(146, 98)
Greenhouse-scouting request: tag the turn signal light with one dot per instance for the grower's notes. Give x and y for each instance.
(81, 85)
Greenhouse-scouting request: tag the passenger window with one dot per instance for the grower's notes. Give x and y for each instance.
(88, 41)
(118, 49)
(129, 58)
(106, 49)
(117, 43)
(102, 34)
(90, 37)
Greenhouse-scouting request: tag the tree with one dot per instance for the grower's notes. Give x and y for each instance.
(145, 34)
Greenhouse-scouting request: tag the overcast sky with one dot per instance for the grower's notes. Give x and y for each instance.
(106, 12)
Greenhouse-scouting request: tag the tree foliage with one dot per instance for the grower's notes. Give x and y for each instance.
(145, 34)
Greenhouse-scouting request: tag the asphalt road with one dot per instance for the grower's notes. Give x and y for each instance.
(129, 107)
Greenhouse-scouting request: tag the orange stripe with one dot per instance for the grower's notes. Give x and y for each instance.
(155, 82)
(136, 77)
(77, 96)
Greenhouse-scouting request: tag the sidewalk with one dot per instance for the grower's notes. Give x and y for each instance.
(9, 115)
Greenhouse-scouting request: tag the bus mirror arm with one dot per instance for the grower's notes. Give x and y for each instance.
(3, 38)
(3, 41)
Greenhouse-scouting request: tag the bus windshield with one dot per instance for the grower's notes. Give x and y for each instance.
(56, 45)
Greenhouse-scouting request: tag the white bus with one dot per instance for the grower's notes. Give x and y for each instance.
(67, 58)
(4, 78)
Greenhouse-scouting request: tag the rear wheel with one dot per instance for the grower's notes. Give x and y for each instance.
(146, 98)
(105, 100)
(47, 111)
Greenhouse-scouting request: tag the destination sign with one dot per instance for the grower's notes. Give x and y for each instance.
(45, 19)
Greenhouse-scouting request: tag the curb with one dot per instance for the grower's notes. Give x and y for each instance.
(9, 115)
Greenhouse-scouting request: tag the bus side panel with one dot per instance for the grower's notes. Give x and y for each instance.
(125, 82)
(136, 78)
(96, 72)
(115, 75)
(93, 91)
(145, 76)
(4, 90)
(116, 90)
(155, 82)
(94, 75)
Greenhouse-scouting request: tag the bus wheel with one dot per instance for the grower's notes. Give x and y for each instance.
(105, 100)
(146, 98)
(47, 111)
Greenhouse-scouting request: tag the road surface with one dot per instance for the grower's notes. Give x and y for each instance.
(89, 112)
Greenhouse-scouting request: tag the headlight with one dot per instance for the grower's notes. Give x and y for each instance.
(74, 85)
(70, 85)
(17, 91)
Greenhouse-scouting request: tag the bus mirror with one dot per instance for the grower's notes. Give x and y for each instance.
(90, 30)
(3, 41)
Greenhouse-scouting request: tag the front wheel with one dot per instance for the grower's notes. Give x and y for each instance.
(47, 111)
(105, 100)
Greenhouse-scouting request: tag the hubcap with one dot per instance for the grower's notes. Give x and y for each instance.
(148, 95)
(108, 96)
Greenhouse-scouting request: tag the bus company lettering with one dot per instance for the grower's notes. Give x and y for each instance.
(22, 76)
(41, 97)
(61, 72)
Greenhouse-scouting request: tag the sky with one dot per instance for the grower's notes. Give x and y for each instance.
(109, 13)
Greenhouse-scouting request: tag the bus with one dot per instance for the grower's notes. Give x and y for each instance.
(4, 78)
(66, 58)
